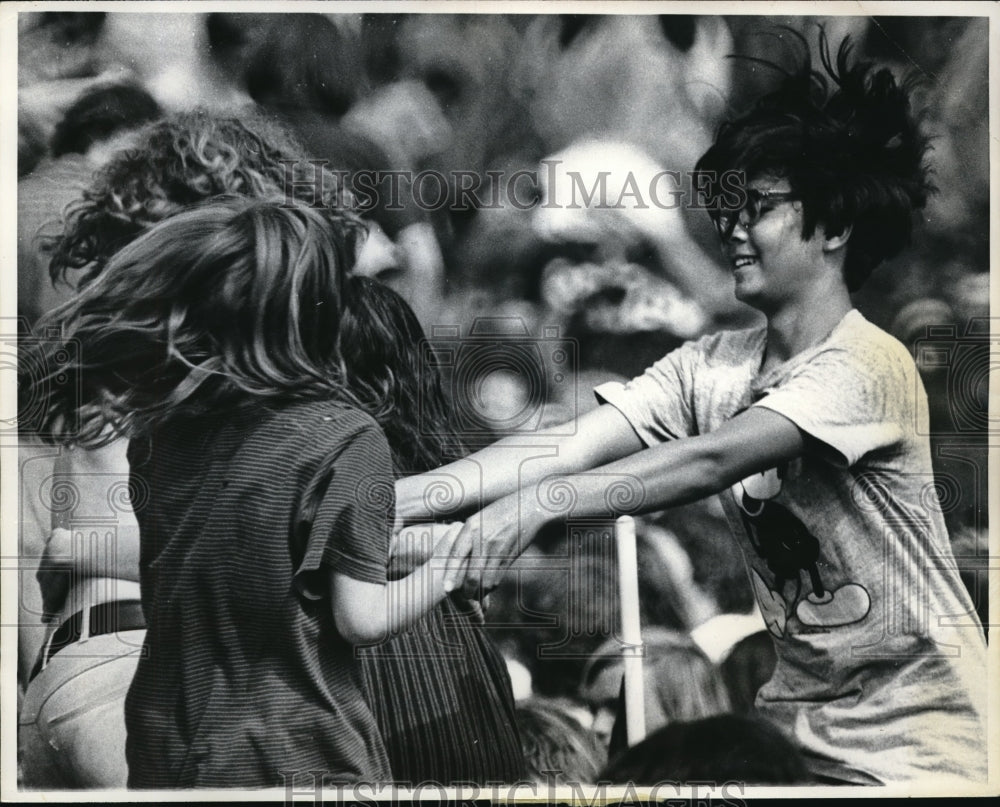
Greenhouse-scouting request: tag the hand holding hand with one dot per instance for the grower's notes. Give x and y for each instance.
(489, 542)
(415, 545)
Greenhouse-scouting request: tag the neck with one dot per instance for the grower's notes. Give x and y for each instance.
(794, 328)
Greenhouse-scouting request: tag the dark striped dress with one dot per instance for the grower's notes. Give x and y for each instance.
(245, 679)
(442, 698)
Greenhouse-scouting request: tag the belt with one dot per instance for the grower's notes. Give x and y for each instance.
(104, 618)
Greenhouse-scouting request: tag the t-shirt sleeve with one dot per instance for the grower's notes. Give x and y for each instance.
(854, 399)
(659, 403)
(346, 516)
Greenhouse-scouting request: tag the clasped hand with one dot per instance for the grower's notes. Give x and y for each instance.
(475, 556)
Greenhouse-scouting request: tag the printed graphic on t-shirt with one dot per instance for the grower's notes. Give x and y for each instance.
(792, 554)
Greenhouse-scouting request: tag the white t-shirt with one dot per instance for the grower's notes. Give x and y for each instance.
(881, 673)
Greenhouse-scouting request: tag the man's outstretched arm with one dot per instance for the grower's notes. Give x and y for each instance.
(600, 436)
(662, 476)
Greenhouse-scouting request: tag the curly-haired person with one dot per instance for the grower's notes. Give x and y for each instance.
(812, 429)
(72, 731)
(176, 163)
(212, 343)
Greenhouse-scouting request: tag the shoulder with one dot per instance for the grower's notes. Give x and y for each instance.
(726, 346)
(326, 418)
(863, 342)
(329, 417)
(307, 432)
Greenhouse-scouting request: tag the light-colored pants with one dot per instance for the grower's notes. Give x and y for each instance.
(71, 730)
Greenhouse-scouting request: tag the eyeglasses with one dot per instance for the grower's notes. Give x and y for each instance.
(756, 205)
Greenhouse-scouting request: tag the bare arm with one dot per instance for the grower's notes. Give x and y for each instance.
(368, 612)
(599, 437)
(665, 475)
(121, 561)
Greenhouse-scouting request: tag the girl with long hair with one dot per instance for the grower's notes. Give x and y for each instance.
(180, 161)
(75, 664)
(212, 343)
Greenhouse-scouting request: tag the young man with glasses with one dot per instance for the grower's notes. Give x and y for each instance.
(813, 430)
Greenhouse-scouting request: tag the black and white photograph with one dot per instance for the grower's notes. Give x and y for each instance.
(533, 401)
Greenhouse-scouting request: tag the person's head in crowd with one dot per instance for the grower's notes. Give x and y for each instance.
(914, 319)
(853, 159)
(57, 44)
(233, 301)
(746, 668)
(393, 375)
(100, 114)
(681, 683)
(177, 162)
(31, 146)
(101, 121)
(402, 249)
(289, 62)
(571, 588)
(557, 747)
(724, 748)
(686, 684)
(718, 568)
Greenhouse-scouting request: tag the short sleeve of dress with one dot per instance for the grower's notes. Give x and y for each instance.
(345, 519)
(853, 398)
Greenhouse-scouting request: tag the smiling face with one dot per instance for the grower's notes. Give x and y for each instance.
(772, 264)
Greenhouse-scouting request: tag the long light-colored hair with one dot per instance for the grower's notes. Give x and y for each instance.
(232, 301)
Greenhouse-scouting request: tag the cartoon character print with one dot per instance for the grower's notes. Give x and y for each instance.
(784, 543)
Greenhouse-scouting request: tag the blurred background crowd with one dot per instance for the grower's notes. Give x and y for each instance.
(602, 290)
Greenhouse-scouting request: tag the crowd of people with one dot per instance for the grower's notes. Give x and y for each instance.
(270, 528)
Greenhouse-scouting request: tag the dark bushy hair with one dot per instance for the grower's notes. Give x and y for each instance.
(386, 360)
(855, 156)
(233, 301)
(177, 162)
(724, 748)
(749, 665)
(100, 113)
(289, 62)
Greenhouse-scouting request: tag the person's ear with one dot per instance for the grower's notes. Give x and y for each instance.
(831, 243)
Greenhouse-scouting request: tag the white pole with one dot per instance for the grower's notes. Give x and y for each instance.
(628, 585)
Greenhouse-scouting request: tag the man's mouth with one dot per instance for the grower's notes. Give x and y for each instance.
(743, 260)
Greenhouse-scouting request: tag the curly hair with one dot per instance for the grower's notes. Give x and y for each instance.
(232, 302)
(179, 161)
(386, 359)
(854, 156)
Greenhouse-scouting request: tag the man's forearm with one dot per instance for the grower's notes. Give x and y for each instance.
(663, 476)
(669, 474)
(469, 484)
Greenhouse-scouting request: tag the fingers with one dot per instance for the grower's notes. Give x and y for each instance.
(444, 536)
(496, 564)
(471, 589)
(502, 553)
(457, 565)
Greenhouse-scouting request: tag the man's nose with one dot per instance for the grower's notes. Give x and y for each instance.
(740, 231)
